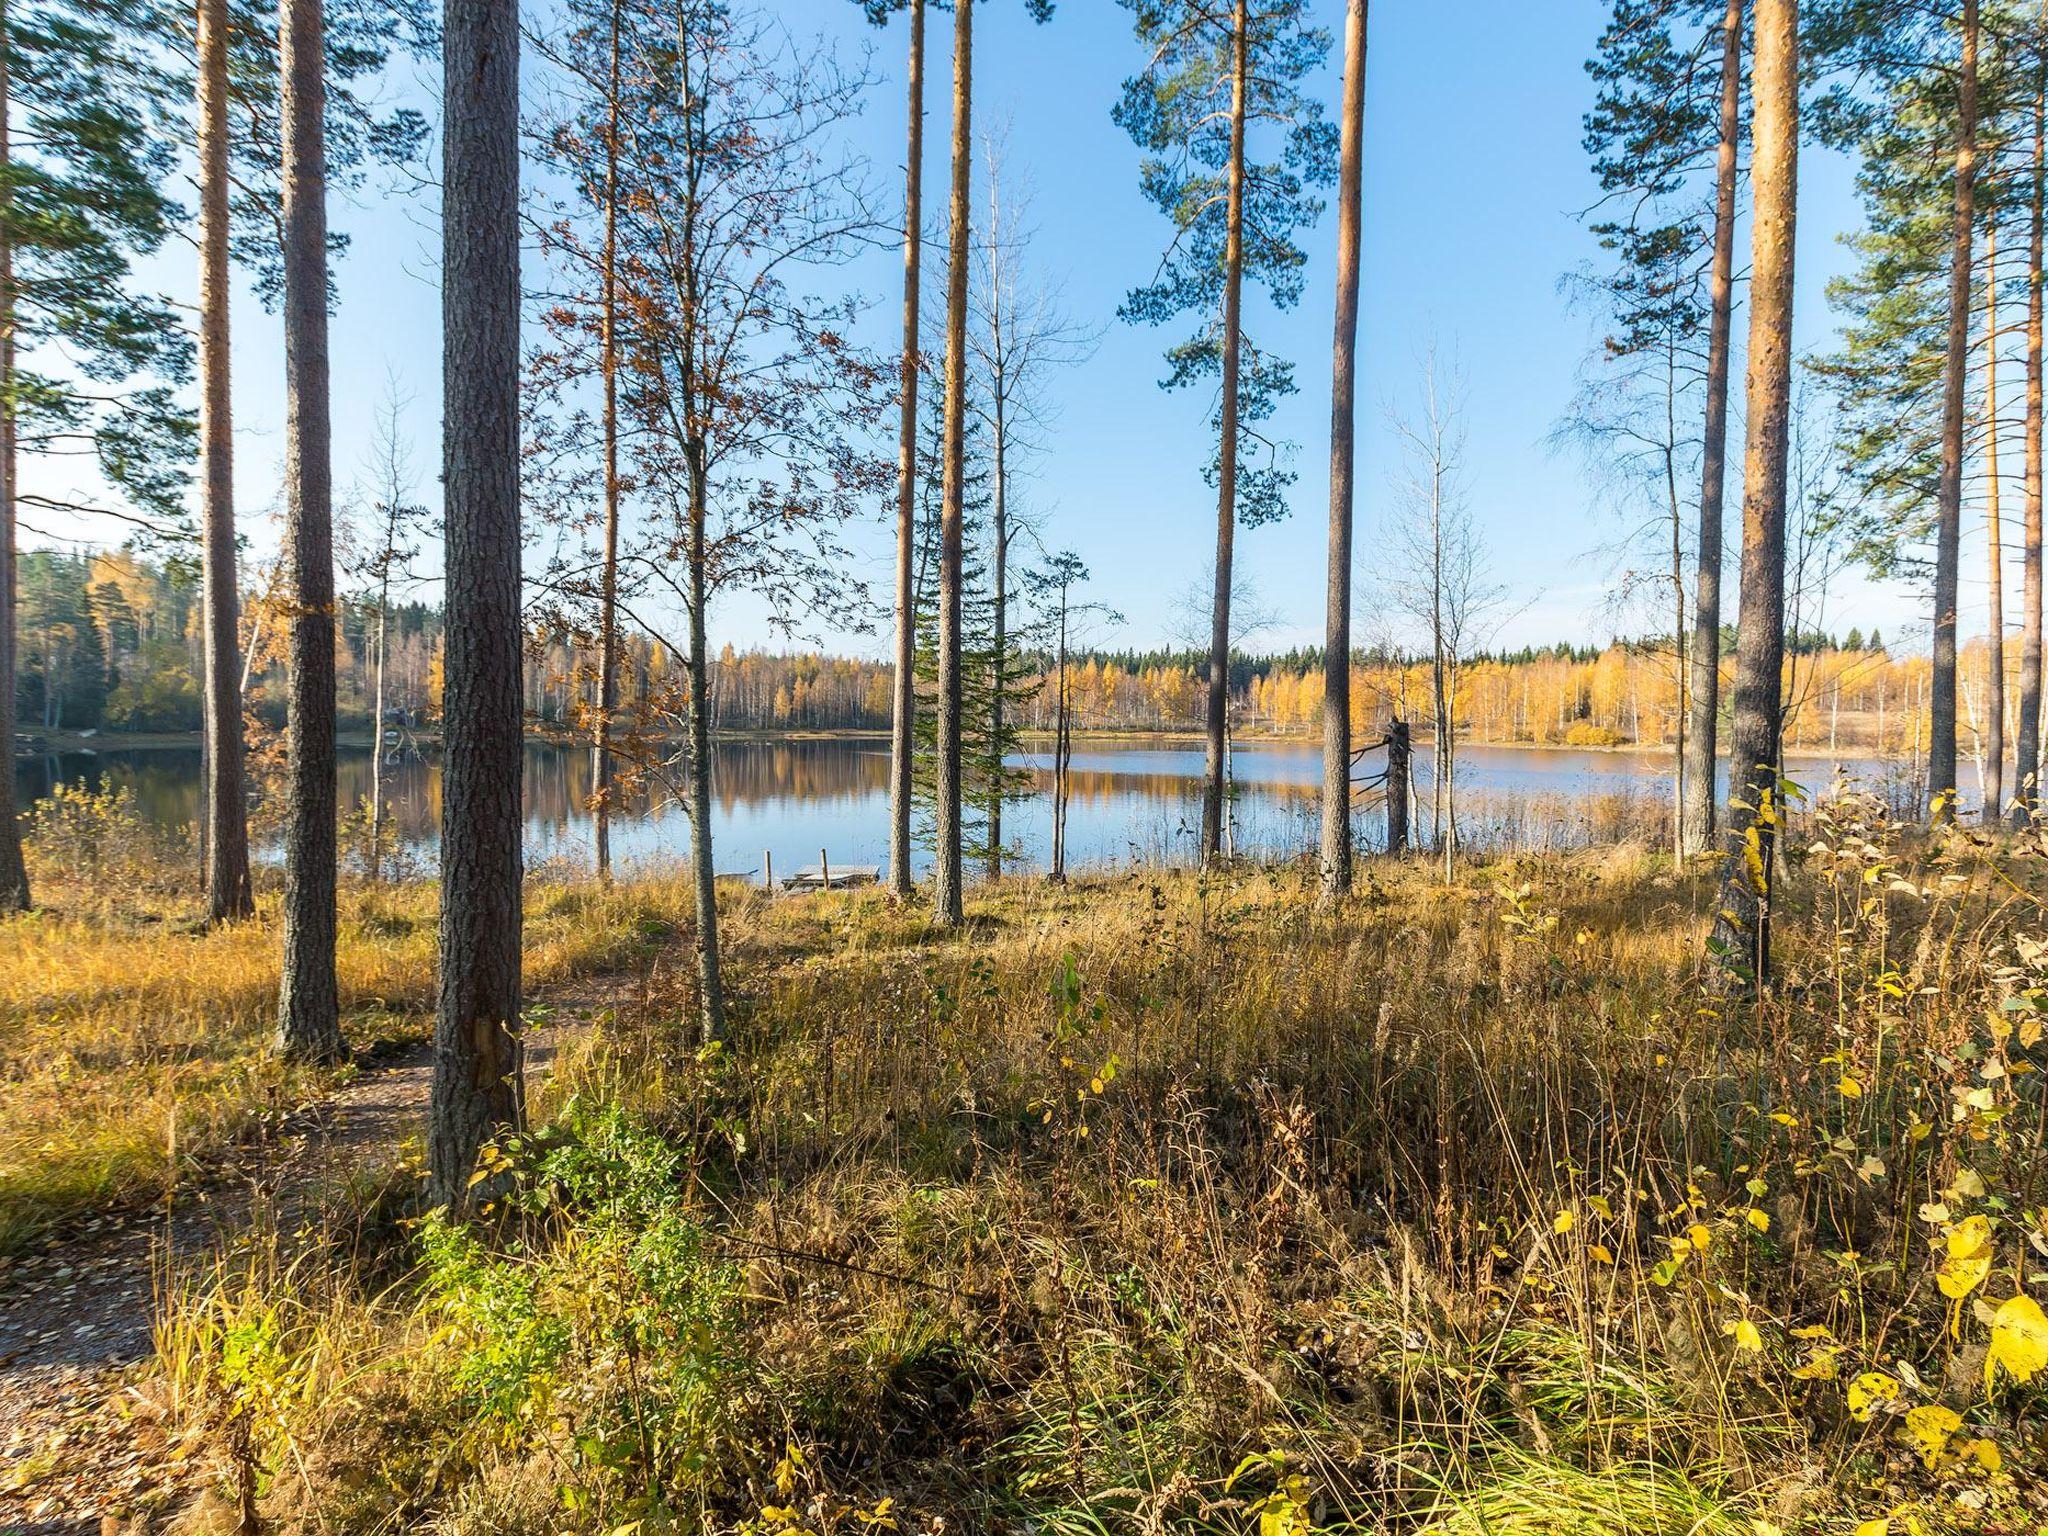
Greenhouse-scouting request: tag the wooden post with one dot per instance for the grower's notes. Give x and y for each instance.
(824, 870)
(768, 870)
(1397, 787)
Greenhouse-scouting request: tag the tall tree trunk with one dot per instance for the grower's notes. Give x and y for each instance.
(2027, 756)
(1701, 796)
(1400, 764)
(1336, 839)
(710, 977)
(902, 746)
(1061, 754)
(1218, 719)
(1994, 538)
(1941, 733)
(309, 1021)
(608, 365)
(477, 1086)
(999, 577)
(224, 823)
(14, 895)
(999, 517)
(377, 710)
(947, 892)
(1743, 929)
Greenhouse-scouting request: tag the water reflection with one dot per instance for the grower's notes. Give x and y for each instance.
(793, 799)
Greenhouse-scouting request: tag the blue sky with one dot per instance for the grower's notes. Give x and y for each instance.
(1474, 179)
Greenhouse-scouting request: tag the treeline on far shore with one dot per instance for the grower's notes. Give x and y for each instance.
(111, 642)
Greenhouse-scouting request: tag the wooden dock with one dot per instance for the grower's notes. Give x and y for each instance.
(834, 877)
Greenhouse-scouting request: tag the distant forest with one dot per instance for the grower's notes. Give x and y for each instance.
(110, 642)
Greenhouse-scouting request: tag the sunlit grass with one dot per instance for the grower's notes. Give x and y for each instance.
(1178, 1202)
(134, 1043)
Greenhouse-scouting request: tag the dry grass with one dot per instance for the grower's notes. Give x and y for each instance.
(1179, 1204)
(134, 1041)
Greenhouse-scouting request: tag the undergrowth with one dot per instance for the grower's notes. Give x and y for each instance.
(1178, 1203)
(135, 1041)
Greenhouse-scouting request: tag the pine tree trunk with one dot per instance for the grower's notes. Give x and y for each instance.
(224, 823)
(1218, 717)
(947, 886)
(477, 1087)
(999, 576)
(1060, 755)
(710, 977)
(2027, 755)
(1994, 539)
(902, 744)
(309, 1022)
(1336, 830)
(1941, 734)
(14, 896)
(1701, 795)
(377, 714)
(1743, 928)
(608, 598)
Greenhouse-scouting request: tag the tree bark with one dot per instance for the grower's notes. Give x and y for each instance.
(1941, 731)
(999, 578)
(1399, 763)
(14, 894)
(608, 595)
(947, 886)
(224, 822)
(477, 1087)
(1061, 752)
(309, 1020)
(1994, 542)
(1336, 839)
(2027, 754)
(377, 704)
(1701, 793)
(1218, 720)
(1742, 930)
(710, 976)
(902, 745)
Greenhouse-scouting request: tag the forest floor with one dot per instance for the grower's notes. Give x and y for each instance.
(85, 1439)
(1152, 1203)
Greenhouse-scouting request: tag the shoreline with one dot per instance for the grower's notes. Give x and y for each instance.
(34, 744)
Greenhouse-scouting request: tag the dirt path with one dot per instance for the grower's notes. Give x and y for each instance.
(82, 1447)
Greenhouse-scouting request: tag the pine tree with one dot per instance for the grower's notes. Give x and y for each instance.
(910, 369)
(1335, 849)
(1667, 117)
(1216, 74)
(86, 357)
(478, 1088)
(1742, 934)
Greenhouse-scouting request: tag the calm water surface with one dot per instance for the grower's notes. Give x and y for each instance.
(1131, 803)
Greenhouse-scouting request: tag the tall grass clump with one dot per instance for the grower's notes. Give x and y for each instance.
(1178, 1203)
(135, 1041)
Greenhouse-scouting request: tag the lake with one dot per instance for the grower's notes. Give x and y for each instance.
(1132, 802)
